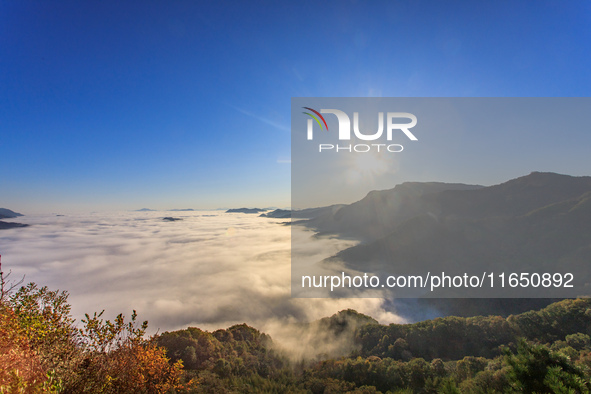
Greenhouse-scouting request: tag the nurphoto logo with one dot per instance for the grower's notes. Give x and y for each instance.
(344, 133)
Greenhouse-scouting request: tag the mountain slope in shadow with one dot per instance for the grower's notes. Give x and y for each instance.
(536, 223)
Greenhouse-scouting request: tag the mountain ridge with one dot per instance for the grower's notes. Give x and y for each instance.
(6, 213)
(523, 224)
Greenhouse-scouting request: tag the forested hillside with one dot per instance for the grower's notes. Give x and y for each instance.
(43, 350)
(543, 350)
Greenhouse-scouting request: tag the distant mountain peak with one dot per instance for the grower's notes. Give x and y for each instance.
(538, 177)
(6, 213)
(246, 210)
(277, 214)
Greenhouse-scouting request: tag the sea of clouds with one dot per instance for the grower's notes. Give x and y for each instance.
(210, 270)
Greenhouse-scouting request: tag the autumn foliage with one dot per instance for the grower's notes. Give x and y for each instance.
(42, 350)
(20, 367)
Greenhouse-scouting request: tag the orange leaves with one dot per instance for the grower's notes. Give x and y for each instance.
(42, 351)
(132, 368)
(156, 372)
(21, 369)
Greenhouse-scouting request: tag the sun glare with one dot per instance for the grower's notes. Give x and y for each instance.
(366, 167)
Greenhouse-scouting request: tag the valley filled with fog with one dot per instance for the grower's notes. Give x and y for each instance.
(211, 269)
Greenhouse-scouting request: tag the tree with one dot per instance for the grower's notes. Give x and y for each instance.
(578, 341)
(38, 344)
(537, 369)
(117, 359)
(41, 350)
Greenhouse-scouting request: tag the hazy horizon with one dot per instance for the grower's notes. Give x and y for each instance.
(338, 200)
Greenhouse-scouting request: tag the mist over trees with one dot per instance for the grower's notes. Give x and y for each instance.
(537, 351)
(43, 350)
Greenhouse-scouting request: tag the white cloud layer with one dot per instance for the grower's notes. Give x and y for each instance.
(209, 270)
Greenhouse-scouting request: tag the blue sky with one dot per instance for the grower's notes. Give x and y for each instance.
(121, 105)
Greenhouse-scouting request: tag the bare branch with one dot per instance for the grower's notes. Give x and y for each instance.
(6, 286)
